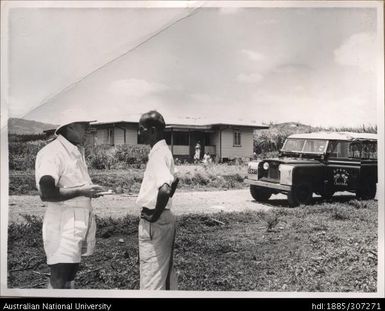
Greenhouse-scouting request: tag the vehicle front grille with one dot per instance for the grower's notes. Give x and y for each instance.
(272, 174)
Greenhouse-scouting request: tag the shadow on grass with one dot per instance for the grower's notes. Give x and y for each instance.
(316, 200)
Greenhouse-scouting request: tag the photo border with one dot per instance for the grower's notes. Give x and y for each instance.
(8, 5)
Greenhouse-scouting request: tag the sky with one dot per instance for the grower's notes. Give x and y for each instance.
(313, 65)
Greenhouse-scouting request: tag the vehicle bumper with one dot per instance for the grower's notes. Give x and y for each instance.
(269, 185)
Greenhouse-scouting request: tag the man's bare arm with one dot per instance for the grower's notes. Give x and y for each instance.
(173, 186)
(161, 203)
(50, 193)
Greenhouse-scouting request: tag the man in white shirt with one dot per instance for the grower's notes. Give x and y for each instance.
(157, 223)
(69, 223)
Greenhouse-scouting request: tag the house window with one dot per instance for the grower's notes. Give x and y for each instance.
(181, 138)
(110, 138)
(237, 138)
(207, 139)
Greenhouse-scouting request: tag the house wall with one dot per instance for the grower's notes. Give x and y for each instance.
(118, 136)
(132, 135)
(215, 141)
(180, 150)
(230, 151)
(101, 135)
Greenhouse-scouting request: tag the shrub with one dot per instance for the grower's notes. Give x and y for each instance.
(121, 156)
(132, 154)
(26, 137)
(22, 182)
(100, 157)
(22, 155)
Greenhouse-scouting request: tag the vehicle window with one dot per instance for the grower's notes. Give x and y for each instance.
(339, 149)
(363, 150)
(294, 145)
(369, 150)
(316, 145)
(372, 150)
(355, 150)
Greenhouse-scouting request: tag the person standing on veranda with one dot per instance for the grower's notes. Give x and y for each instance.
(157, 225)
(69, 223)
(197, 155)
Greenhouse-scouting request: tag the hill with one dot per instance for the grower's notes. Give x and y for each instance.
(27, 127)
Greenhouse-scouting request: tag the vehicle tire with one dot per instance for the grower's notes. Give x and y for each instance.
(300, 194)
(259, 194)
(367, 191)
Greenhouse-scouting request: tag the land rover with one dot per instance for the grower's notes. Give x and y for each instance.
(321, 163)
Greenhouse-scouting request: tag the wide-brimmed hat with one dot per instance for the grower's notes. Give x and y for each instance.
(70, 122)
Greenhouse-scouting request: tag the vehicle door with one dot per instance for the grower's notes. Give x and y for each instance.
(368, 155)
(342, 166)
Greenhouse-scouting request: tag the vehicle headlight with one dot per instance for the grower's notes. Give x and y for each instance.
(286, 174)
(266, 166)
(252, 170)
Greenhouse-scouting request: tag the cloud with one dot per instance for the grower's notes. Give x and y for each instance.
(359, 50)
(292, 68)
(250, 78)
(205, 98)
(136, 88)
(252, 55)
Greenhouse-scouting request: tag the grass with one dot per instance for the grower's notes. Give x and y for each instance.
(192, 178)
(326, 247)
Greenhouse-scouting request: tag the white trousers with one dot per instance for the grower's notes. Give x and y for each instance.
(156, 246)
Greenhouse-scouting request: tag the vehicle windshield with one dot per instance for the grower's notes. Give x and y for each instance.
(299, 145)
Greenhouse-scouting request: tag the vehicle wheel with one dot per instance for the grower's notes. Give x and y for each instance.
(367, 191)
(300, 194)
(259, 194)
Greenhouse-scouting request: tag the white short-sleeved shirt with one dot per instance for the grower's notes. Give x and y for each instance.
(160, 170)
(66, 164)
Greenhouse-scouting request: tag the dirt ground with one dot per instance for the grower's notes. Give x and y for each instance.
(195, 202)
(116, 206)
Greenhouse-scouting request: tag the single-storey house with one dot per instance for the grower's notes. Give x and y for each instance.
(222, 140)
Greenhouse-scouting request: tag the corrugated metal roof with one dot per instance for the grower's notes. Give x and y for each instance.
(189, 122)
(336, 136)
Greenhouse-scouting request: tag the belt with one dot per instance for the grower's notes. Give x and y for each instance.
(78, 202)
(149, 211)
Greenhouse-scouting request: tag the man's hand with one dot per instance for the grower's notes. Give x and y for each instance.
(149, 215)
(91, 191)
(161, 202)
